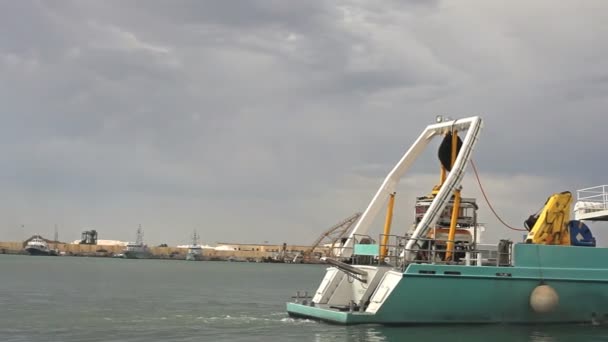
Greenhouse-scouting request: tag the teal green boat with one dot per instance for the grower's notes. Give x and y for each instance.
(440, 273)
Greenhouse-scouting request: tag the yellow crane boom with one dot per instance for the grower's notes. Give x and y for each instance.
(551, 226)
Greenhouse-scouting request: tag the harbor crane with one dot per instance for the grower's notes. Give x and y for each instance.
(332, 236)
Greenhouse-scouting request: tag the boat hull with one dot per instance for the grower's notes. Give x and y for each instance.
(136, 255)
(442, 294)
(473, 300)
(194, 257)
(36, 251)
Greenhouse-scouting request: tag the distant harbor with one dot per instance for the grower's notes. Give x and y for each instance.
(90, 246)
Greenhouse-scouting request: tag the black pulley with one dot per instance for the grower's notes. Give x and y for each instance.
(531, 221)
(445, 150)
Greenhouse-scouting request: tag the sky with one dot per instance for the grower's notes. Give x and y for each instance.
(270, 121)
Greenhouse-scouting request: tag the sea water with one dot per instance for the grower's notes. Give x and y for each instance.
(104, 299)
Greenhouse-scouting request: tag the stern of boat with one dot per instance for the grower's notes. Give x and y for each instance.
(326, 314)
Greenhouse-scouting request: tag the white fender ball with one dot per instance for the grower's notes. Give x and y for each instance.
(544, 299)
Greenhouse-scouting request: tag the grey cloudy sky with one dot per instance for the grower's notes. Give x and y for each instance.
(258, 121)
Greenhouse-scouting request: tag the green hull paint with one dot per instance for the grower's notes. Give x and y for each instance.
(470, 294)
(332, 316)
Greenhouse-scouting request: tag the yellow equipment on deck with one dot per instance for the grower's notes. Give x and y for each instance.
(551, 225)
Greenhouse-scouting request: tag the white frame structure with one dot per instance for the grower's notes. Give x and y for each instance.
(473, 127)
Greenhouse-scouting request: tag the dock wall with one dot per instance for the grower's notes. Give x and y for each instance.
(228, 251)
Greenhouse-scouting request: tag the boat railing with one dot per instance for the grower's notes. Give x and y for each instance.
(593, 198)
(362, 251)
(392, 251)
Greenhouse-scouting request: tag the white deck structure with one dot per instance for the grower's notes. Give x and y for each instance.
(592, 204)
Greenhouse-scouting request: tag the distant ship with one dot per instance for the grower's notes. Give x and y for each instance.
(137, 249)
(38, 246)
(195, 251)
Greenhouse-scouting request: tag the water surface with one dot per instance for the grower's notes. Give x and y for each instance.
(100, 299)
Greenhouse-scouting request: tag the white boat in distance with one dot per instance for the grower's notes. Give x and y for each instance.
(137, 249)
(37, 246)
(195, 250)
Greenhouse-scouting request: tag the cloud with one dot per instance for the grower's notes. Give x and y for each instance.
(267, 121)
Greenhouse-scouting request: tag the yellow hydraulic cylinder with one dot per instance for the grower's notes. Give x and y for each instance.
(437, 187)
(454, 148)
(456, 207)
(387, 226)
(453, 221)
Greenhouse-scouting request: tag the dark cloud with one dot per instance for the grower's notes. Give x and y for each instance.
(267, 120)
